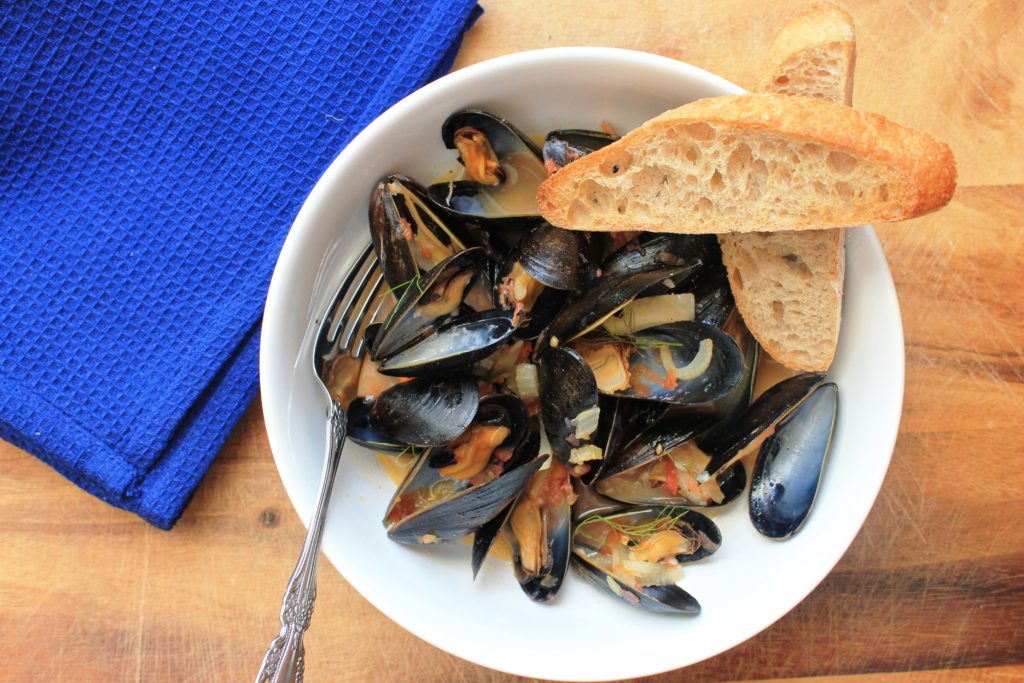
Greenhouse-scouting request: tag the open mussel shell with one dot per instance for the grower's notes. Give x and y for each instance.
(706, 362)
(670, 599)
(484, 537)
(459, 511)
(562, 147)
(540, 533)
(425, 411)
(478, 219)
(730, 406)
(701, 535)
(790, 464)
(654, 467)
(482, 221)
(360, 430)
(598, 539)
(620, 420)
(409, 235)
(428, 302)
(434, 505)
(592, 307)
(727, 441)
(460, 342)
(569, 408)
(503, 137)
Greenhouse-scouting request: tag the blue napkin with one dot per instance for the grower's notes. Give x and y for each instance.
(154, 154)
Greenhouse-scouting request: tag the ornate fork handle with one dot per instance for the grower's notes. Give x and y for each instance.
(284, 660)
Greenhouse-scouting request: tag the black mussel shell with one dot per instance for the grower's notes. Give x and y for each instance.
(460, 342)
(645, 356)
(714, 300)
(726, 441)
(621, 479)
(702, 534)
(562, 147)
(567, 392)
(400, 210)
(790, 464)
(429, 302)
(504, 137)
(484, 537)
(464, 205)
(461, 513)
(730, 406)
(673, 429)
(691, 253)
(543, 585)
(698, 528)
(547, 306)
(425, 411)
(361, 432)
(669, 599)
(589, 309)
(553, 256)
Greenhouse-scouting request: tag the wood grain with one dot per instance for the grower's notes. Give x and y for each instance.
(932, 589)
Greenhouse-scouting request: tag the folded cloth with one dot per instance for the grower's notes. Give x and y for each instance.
(154, 154)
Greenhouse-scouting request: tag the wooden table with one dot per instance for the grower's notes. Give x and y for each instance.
(931, 590)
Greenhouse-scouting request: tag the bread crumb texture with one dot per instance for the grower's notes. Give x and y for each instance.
(753, 162)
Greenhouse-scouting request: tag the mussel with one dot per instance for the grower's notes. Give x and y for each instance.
(535, 279)
(730, 440)
(504, 168)
(539, 532)
(457, 343)
(429, 302)
(562, 147)
(683, 363)
(592, 307)
(408, 234)
(428, 411)
(569, 408)
(488, 145)
(790, 464)
(636, 554)
(454, 489)
(662, 465)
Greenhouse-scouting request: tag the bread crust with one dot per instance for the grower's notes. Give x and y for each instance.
(923, 170)
(824, 28)
(823, 25)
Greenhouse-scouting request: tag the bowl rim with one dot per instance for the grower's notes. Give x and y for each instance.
(276, 425)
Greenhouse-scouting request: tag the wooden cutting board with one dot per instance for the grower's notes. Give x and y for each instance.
(932, 589)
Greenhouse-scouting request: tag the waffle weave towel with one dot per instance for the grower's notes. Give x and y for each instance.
(154, 154)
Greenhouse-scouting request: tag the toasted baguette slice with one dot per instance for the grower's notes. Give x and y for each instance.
(788, 286)
(741, 163)
(813, 55)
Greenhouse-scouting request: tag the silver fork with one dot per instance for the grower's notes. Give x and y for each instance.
(337, 333)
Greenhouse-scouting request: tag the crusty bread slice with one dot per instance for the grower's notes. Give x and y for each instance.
(813, 55)
(788, 286)
(741, 163)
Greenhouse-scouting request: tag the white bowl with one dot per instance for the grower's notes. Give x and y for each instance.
(584, 634)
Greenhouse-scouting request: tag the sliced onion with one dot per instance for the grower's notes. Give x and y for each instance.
(695, 368)
(640, 314)
(578, 456)
(586, 422)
